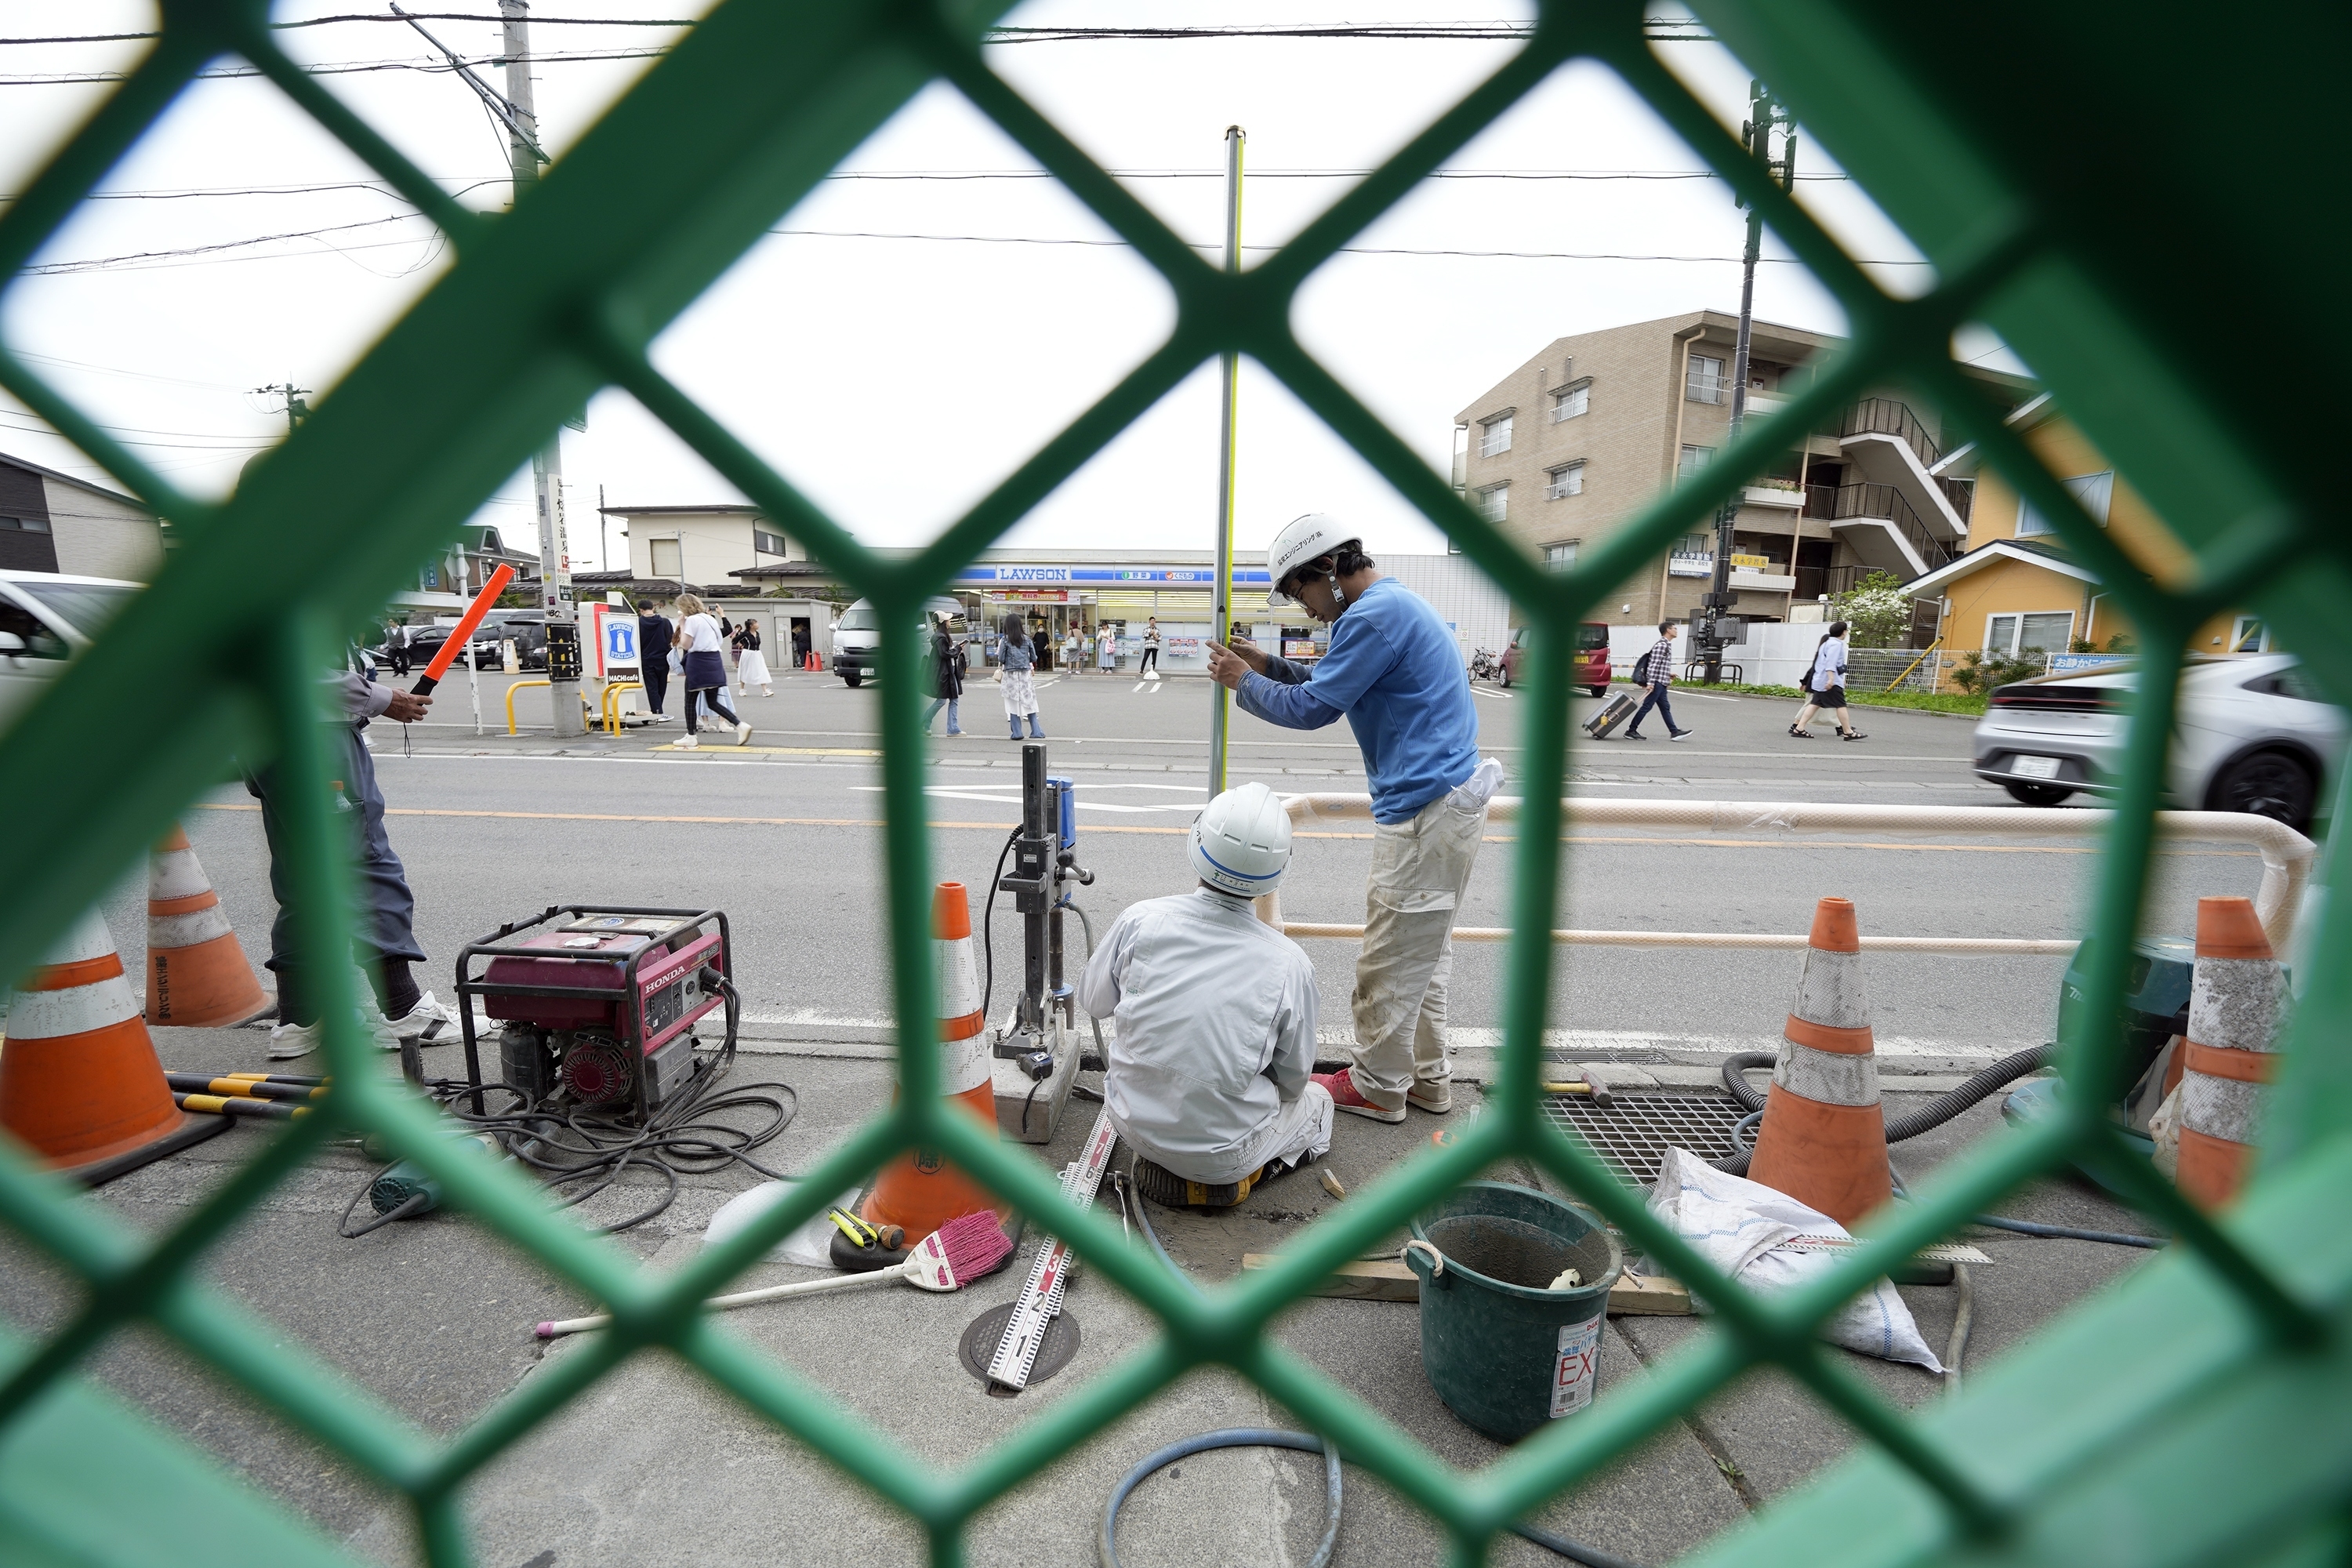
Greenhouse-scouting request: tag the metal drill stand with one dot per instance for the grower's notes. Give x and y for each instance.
(1036, 1050)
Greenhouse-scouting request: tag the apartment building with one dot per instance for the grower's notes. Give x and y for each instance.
(702, 544)
(1575, 443)
(51, 521)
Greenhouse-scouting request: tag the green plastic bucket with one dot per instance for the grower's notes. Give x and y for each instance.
(1505, 1352)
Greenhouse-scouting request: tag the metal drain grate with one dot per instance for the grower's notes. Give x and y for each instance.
(1631, 1133)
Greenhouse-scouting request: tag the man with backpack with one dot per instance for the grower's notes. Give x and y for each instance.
(1655, 670)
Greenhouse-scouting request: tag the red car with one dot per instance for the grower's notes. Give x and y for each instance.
(1592, 669)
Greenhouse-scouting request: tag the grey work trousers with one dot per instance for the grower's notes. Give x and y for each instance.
(1420, 870)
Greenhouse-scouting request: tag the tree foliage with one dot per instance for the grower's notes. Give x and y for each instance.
(1877, 612)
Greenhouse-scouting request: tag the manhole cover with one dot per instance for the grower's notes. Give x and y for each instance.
(987, 1332)
(1631, 1133)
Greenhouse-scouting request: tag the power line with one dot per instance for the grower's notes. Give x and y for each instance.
(101, 263)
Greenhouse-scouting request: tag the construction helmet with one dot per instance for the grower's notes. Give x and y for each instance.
(1241, 842)
(1301, 541)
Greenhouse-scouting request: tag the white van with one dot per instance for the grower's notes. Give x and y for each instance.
(46, 618)
(858, 637)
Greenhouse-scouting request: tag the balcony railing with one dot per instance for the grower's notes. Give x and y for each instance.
(1813, 582)
(1841, 503)
(1962, 494)
(1885, 416)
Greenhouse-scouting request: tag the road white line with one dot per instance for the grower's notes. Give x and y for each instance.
(1138, 686)
(943, 792)
(1482, 691)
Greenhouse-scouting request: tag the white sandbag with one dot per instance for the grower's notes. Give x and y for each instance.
(1739, 1226)
(2164, 1127)
(811, 1243)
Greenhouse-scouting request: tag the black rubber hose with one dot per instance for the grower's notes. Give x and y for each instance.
(1933, 1114)
(1574, 1550)
(988, 925)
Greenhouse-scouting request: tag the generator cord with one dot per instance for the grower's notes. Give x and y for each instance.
(1305, 1442)
(988, 924)
(579, 1151)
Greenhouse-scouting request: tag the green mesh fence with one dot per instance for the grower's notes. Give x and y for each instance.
(2194, 1414)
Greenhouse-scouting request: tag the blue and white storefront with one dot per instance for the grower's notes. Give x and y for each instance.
(1122, 598)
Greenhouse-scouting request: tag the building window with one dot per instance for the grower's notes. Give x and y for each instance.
(1571, 401)
(666, 559)
(1693, 459)
(1495, 436)
(2091, 491)
(1495, 501)
(2252, 633)
(1562, 556)
(2049, 631)
(766, 544)
(1704, 381)
(1567, 479)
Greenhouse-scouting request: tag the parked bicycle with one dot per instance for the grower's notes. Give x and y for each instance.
(1486, 666)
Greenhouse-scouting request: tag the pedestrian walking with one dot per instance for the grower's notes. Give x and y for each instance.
(750, 664)
(1395, 672)
(1826, 682)
(698, 646)
(1018, 681)
(944, 665)
(655, 635)
(1149, 668)
(1656, 671)
(395, 646)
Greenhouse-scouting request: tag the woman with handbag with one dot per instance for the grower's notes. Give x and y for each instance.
(705, 667)
(1826, 683)
(943, 662)
(1018, 681)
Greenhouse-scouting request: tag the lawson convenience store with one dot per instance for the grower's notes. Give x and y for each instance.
(1089, 593)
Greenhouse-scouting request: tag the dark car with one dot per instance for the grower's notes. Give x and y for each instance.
(527, 627)
(1592, 668)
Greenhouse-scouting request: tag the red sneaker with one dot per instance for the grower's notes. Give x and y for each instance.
(1341, 1085)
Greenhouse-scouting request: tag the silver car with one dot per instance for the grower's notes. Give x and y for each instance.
(46, 618)
(2250, 733)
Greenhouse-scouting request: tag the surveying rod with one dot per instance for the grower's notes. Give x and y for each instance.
(1220, 593)
(463, 637)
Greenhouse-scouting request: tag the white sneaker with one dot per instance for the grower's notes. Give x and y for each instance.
(288, 1041)
(742, 733)
(423, 1021)
(685, 744)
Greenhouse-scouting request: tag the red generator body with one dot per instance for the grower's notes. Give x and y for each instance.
(598, 1005)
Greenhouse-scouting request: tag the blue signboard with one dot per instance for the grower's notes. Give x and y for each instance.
(620, 641)
(1202, 576)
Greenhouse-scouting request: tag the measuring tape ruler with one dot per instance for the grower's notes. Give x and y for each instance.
(1942, 1252)
(1040, 1302)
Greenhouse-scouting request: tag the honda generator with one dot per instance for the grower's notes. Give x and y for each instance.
(598, 1005)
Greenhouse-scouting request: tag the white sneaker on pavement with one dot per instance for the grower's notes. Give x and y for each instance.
(742, 733)
(423, 1022)
(685, 744)
(288, 1041)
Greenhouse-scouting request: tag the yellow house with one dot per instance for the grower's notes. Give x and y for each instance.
(2018, 590)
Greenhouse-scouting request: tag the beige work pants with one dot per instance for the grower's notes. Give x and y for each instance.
(1419, 872)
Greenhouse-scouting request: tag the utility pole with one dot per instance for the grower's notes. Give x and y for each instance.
(295, 409)
(1756, 133)
(563, 661)
(1220, 597)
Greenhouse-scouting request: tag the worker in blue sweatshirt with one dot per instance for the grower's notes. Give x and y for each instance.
(1395, 672)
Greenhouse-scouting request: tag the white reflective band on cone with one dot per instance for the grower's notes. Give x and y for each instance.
(1830, 991)
(2223, 1106)
(187, 930)
(89, 937)
(177, 874)
(958, 984)
(1829, 1077)
(965, 1065)
(2237, 1003)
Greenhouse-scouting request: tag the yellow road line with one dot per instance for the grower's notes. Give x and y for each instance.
(1791, 842)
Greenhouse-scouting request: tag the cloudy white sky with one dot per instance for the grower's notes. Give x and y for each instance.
(896, 378)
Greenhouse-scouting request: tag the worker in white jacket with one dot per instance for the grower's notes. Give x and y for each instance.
(1211, 1063)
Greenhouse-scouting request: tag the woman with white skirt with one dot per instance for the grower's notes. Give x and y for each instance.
(1018, 679)
(749, 667)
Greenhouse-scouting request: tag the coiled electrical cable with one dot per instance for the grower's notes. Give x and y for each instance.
(988, 923)
(579, 1151)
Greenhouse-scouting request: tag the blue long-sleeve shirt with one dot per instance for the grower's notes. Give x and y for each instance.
(1393, 670)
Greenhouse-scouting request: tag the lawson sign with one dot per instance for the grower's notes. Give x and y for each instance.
(1107, 576)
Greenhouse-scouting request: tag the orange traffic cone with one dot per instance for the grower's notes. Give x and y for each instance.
(197, 973)
(78, 1077)
(919, 1190)
(1823, 1141)
(2238, 1005)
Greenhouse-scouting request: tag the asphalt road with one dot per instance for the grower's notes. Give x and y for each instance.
(783, 835)
(653, 1466)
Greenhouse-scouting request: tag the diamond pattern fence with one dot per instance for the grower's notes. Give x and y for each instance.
(2223, 1361)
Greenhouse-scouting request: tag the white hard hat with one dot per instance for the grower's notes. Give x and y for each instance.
(1241, 842)
(1300, 540)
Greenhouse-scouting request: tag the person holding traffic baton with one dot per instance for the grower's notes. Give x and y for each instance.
(1394, 671)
